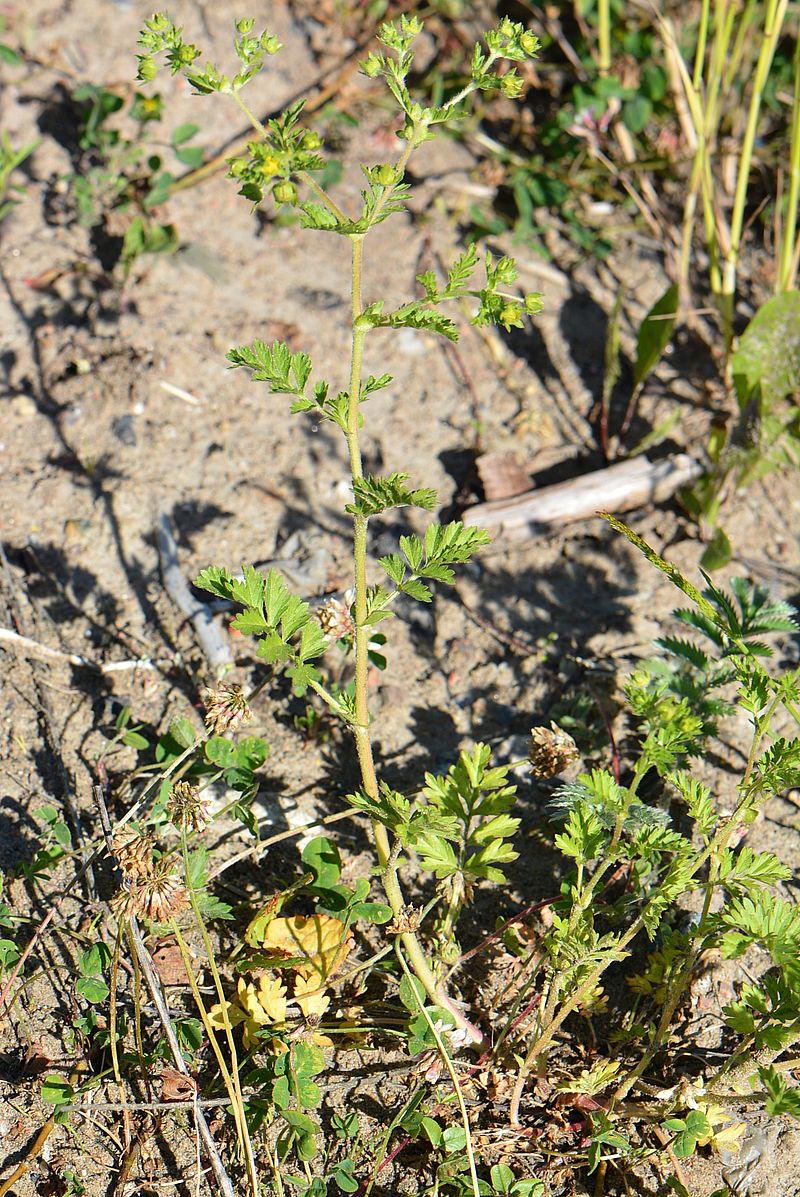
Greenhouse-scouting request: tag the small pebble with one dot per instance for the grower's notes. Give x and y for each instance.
(124, 430)
(23, 405)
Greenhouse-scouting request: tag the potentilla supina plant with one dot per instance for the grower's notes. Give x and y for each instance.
(280, 162)
(458, 826)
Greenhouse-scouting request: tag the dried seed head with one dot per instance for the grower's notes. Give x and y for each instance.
(406, 919)
(187, 809)
(133, 852)
(156, 897)
(552, 750)
(121, 902)
(165, 896)
(226, 707)
(335, 619)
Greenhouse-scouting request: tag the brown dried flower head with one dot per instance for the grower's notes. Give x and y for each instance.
(157, 896)
(335, 619)
(552, 750)
(133, 852)
(226, 707)
(406, 919)
(187, 809)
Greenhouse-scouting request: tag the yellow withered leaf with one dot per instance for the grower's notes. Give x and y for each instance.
(272, 997)
(319, 939)
(309, 997)
(255, 1006)
(257, 927)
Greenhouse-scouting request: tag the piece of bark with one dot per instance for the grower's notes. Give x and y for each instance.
(633, 483)
(217, 651)
(502, 476)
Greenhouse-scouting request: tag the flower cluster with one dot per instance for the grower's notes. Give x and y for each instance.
(226, 707)
(187, 809)
(150, 888)
(552, 750)
(336, 619)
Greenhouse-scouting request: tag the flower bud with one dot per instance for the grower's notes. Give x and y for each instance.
(510, 314)
(186, 54)
(270, 44)
(245, 25)
(284, 192)
(506, 270)
(530, 43)
(157, 23)
(386, 175)
(533, 303)
(371, 66)
(147, 69)
(511, 85)
(311, 140)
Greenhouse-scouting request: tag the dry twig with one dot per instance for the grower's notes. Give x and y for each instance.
(154, 985)
(217, 651)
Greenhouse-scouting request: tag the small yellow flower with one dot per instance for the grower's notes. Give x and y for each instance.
(269, 166)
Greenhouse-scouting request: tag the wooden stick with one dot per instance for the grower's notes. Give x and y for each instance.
(29, 647)
(217, 651)
(631, 483)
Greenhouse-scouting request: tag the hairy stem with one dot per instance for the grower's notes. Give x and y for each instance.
(361, 732)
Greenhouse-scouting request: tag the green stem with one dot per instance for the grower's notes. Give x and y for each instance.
(773, 22)
(233, 1074)
(137, 1012)
(328, 698)
(361, 730)
(448, 1063)
(112, 1021)
(787, 265)
(258, 125)
(231, 1088)
(604, 36)
(700, 49)
(314, 186)
(543, 1040)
